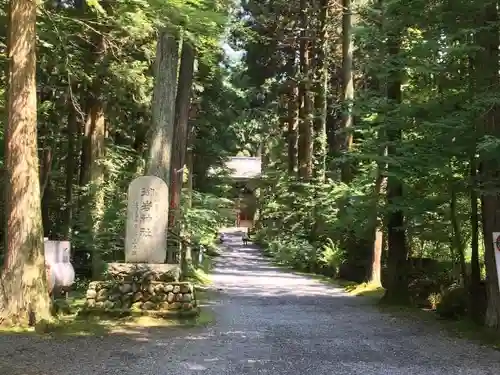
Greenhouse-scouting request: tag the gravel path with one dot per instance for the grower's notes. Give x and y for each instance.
(268, 322)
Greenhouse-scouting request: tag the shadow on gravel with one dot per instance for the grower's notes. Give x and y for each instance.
(121, 348)
(89, 346)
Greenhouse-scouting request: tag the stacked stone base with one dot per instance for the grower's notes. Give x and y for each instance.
(135, 290)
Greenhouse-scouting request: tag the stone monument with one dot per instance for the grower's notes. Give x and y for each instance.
(144, 284)
(147, 221)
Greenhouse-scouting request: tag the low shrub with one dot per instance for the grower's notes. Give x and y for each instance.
(453, 304)
(330, 259)
(434, 300)
(427, 281)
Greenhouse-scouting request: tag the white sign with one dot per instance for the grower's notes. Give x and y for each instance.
(147, 221)
(57, 251)
(496, 249)
(57, 257)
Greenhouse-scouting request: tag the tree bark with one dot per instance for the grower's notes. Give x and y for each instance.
(187, 256)
(71, 169)
(475, 275)
(487, 75)
(457, 240)
(92, 172)
(165, 88)
(189, 165)
(25, 292)
(305, 143)
(182, 105)
(46, 189)
(397, 283)
(293, 119)
(164, 102)
(374, 274)
(347, 86)
(375, 267)
(293, 112)
(321, 93)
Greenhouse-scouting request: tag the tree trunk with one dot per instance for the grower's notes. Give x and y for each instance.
(321, 93)
(293, 119)
(97, 171)
(92, 172)
(164, 93)
(305, 143)
(45, 168)
(375, 267)
(189, 166)
(457, 240)
(165, 87)
(25, 292)
(182, 105)
(188, 257)
(397, 283)
(47, 198)
(374, 274)
(487, 75)
(475, 300)
(293, 112)
(491, 223)
(333, 123)
(46, 189)
(347, 86)
(71, 169)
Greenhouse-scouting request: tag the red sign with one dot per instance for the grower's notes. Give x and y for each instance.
(497, 243)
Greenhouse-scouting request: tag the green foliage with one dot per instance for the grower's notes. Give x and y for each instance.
(204, 218)
(430, 142)
(91, 51)
(331, 257)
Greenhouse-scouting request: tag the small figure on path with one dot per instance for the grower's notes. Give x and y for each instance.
(245, 238)
(222, 237)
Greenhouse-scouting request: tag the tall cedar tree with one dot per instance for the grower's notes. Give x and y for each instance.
(25, 293)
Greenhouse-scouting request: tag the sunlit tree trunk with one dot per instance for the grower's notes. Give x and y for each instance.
(333, 121)
(164, 93)
(293, 117)
(292, 111)
(347, 86)
(71, 167)
(182, 105)
(188, 257)
(375, 266)
(321, 92)
(305, 142)
(25, 294)
(374, 271)
(475, 275)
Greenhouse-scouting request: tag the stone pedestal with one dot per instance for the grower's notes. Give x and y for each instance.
(145, 289)
(143, 271)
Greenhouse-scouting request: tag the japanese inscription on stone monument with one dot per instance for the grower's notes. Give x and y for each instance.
(147, 220)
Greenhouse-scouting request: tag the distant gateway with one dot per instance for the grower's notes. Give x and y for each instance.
(244, 173)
